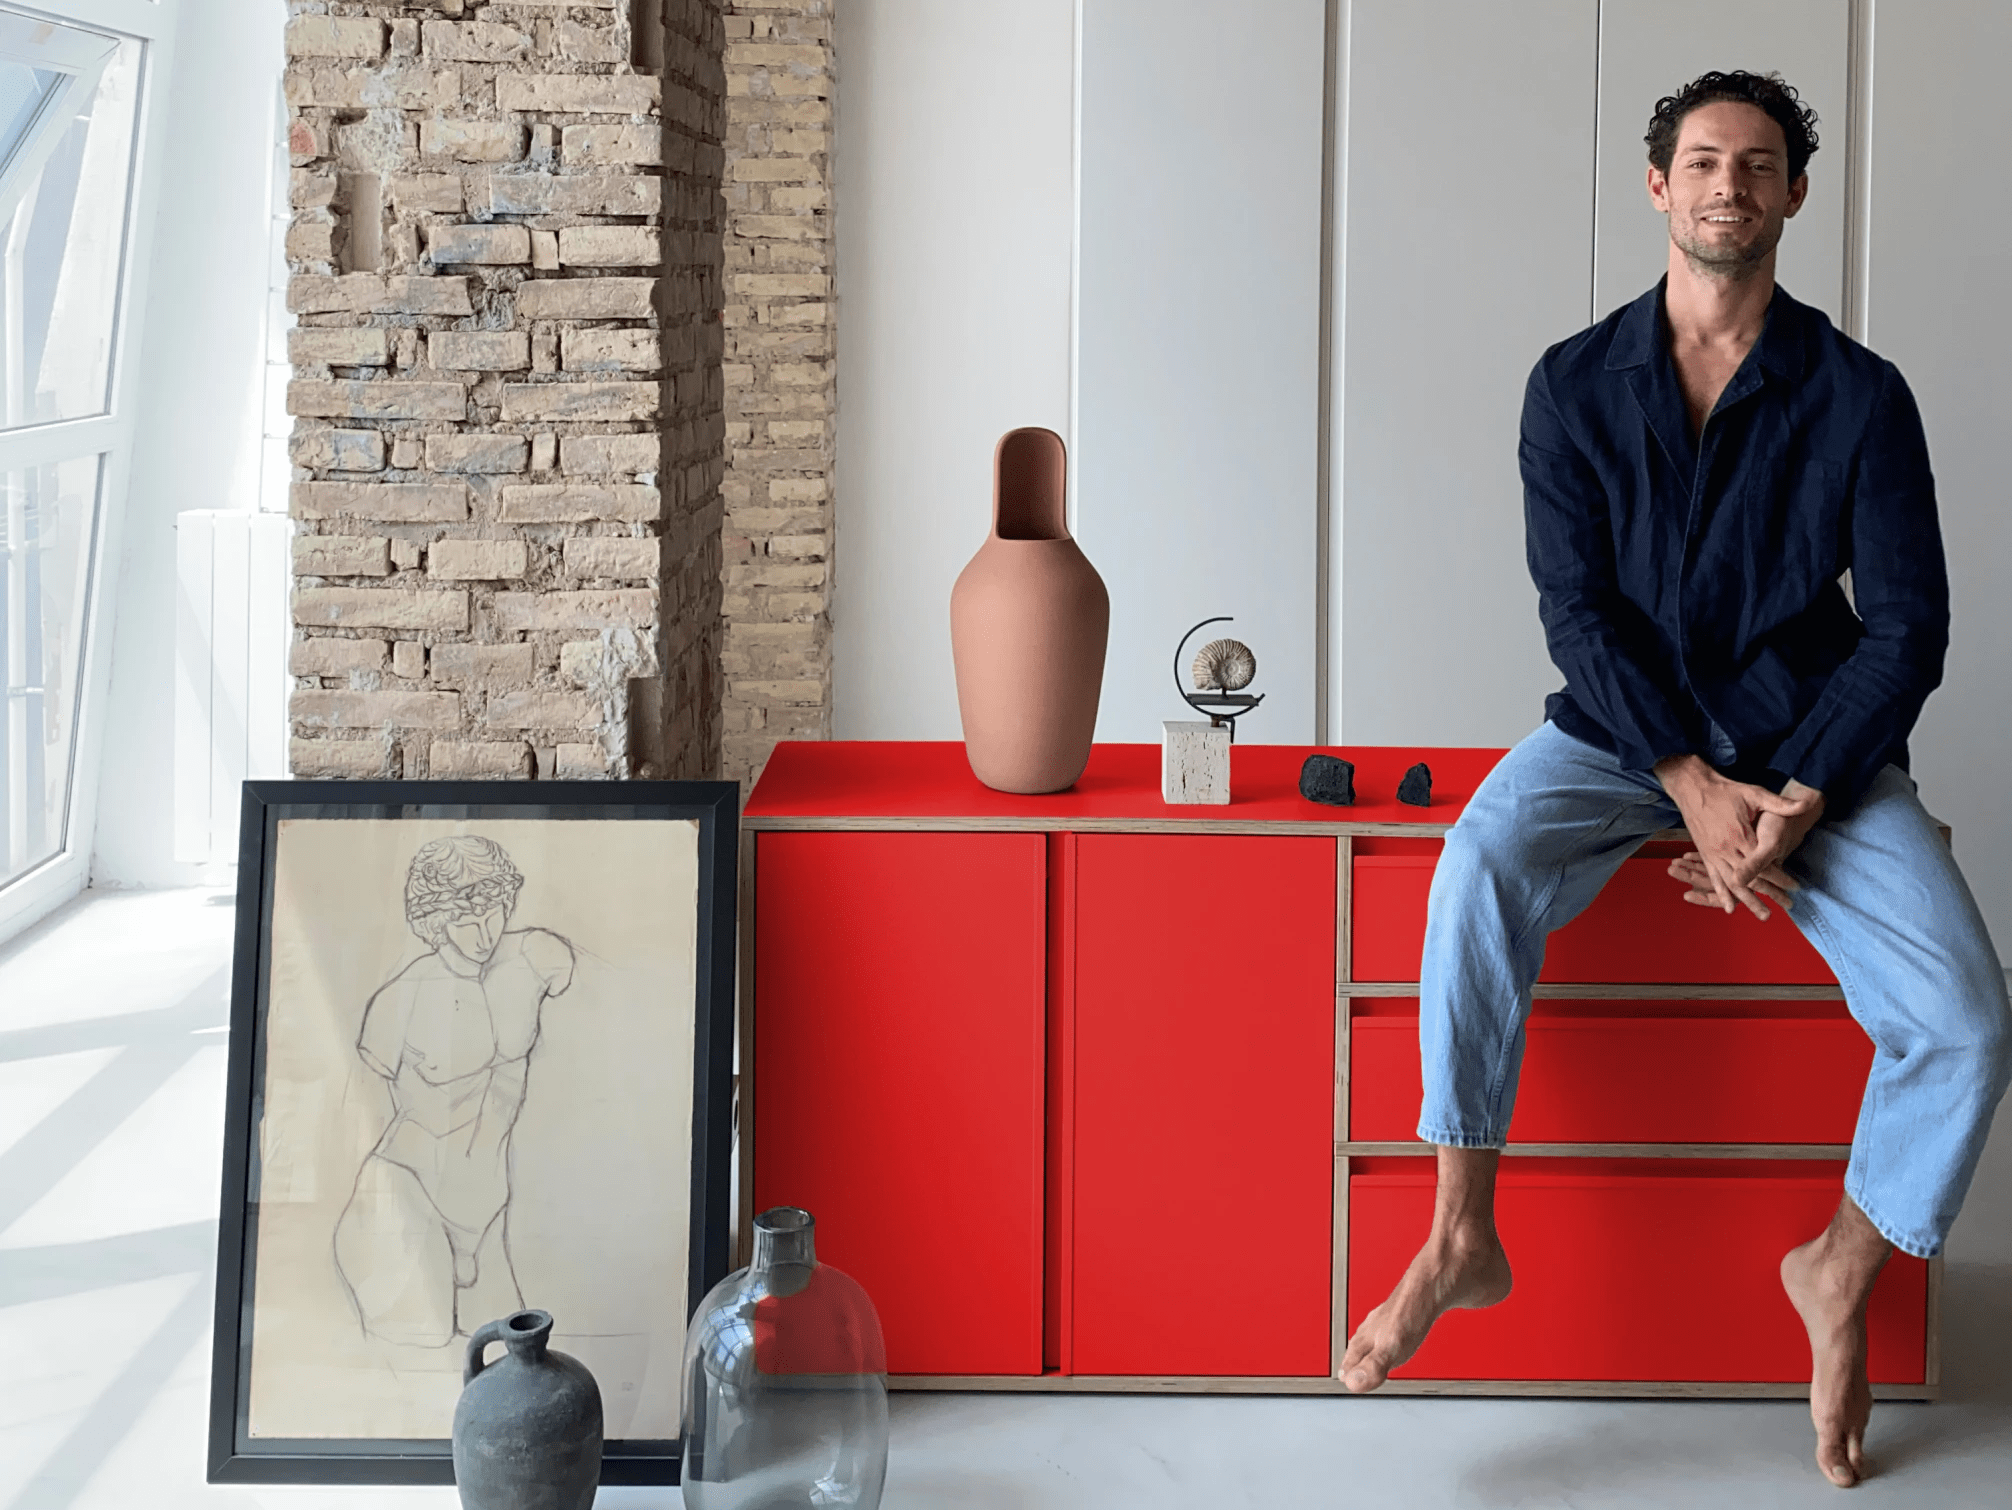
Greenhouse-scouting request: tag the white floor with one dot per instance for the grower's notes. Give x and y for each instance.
(112, 1045)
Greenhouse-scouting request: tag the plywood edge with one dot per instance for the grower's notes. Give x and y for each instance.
(1337, 1323)
(778, 823)
(744, 1056)
(1839, 1151)
(1622, 991)
(1931, 1362)
(1296, 1385)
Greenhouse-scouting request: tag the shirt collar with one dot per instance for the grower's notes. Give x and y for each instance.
(1640, 335)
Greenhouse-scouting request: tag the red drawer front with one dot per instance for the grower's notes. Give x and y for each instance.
(1638, 929)
(1631, 1269)
(1200, 979)
(1639, 1072)
(899, 1047)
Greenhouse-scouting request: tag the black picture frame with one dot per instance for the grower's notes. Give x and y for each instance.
(236, 1457)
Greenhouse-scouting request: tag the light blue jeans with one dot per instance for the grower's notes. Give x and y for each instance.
(1881, 900)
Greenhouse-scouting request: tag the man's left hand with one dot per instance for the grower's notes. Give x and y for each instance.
(1762, 872)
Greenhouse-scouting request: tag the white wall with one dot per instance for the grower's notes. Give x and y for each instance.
(953, 197)
(196, 443)
(1940, 309)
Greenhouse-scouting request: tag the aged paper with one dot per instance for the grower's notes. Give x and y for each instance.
(477, 1098)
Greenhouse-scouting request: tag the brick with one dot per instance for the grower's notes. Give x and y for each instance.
(492, 245)
(470, 758)
(400, 86)
(580, 762)
(483, 666)
(602, 455)
(476, 560)
(572, 194)
(578, 94)
(584, 662)
(615, 608)
(544, 451)
(576, 502)
(406, 451)
(311, 240)
(543, 710)
(408, 660)
(479, 350)
(585, 298)
(351, 758)
(602, 556)
(324, 656)
(601, 350)
(775, 170)
(474, 42)
(369, 294)
(330, 37)
(310, 191)
(330, 450)
(545, 251)
(588, 44)
(477, 453)
(341, 556)
(360, 347)
(377, 710)
(439, 193)
(404, 554)
(610, 246)
(472, 141)
(379, 608)
(782, 227)
(580, 401)
(396, 502)
(775, 55)
(599, 146)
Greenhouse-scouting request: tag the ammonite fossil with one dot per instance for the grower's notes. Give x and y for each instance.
(1224, 666)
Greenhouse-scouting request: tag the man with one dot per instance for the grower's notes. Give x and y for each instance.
(1700, 469)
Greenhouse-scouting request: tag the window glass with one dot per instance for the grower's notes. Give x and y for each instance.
(47, 525)
(61, 244)
(22, 91)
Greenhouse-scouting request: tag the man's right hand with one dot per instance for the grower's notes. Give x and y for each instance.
(1723, 818)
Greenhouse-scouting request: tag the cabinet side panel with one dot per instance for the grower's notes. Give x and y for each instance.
(1204, 1105)
(899, 1038)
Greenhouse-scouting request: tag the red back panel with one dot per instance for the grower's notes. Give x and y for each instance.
(1203, 1102)
(898, 1079)
(1639, 929)
(1661, 1269)
(1640, 1072)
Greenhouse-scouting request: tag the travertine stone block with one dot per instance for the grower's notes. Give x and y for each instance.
(377, 710)
(334, 37)
(576, 502)
(578, 94)
(596, 146)
(474, 42)
(597, 349)
(327, 656)
(308, 346)
(542, 710)
(333, 450)
(493, 245)
(389, 399)
(350, 759)
(572, 194)
(472, 141)
(585, 299)
(609, 455)
(479, 350)
(1194, 762)
(616, 608)
(368, 294)
(579, 401)
(610, 246)
(581, 762)
(483, 666)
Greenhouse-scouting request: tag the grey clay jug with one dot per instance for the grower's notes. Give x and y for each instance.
(527, 1429)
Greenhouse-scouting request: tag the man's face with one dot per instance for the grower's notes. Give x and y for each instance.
(1728, 192)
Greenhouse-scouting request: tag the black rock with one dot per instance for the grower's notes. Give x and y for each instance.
(1329, 779)
(1416, 787)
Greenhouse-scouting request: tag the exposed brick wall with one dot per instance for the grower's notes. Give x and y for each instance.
(505, 265)
(780, 401)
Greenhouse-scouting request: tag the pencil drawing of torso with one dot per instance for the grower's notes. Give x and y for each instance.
(424, 1244)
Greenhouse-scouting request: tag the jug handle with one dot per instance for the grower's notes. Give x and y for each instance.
(488, 1332)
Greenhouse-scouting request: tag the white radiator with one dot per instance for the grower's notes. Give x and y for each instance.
(232, 629)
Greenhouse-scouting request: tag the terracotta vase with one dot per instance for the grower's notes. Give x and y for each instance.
(1029, 617)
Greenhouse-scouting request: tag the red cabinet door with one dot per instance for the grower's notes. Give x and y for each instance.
(1197, 994)
(1639, 1072)
(1639, 929)
(1631, 1269)
(898, 1097)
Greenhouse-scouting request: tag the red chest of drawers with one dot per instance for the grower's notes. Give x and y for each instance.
(1095, 1093)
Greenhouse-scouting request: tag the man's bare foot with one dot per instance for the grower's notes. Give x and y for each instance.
(1448, 1274)
(1829, 1280)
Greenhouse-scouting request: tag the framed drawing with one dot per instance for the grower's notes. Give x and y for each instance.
(480, 1059)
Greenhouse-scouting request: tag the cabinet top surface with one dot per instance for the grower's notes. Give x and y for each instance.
(817, 783)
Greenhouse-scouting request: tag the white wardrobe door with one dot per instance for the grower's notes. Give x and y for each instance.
(1649, 49)
(1466, 232)
(1197, 401)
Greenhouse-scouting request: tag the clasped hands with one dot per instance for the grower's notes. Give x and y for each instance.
(1742, 833)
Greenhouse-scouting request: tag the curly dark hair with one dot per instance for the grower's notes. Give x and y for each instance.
(1765, 91)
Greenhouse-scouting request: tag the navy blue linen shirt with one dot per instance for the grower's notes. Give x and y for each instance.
(1688, 583)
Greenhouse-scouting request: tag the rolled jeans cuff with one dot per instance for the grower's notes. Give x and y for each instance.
(1446, 1137)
